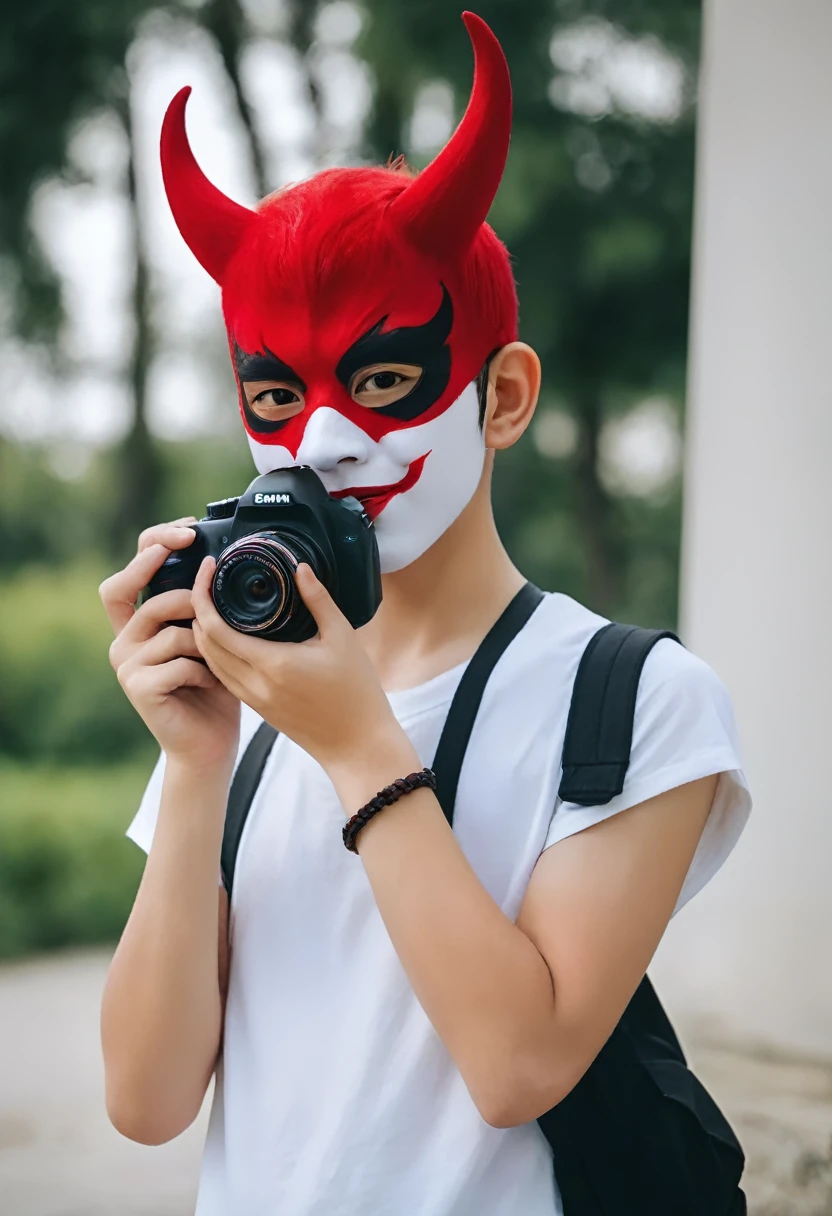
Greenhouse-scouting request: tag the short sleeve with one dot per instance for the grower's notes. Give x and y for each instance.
(143, 825)
(683, 729)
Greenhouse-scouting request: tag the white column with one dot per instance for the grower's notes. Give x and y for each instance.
(755, 948)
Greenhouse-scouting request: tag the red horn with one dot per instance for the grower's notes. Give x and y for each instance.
(441, 212)
(211, 224)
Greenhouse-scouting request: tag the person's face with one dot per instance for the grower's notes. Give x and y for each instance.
(382, 405)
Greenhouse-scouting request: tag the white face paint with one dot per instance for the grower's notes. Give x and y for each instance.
(410, 520)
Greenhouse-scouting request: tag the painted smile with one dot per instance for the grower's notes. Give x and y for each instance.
(375, 498)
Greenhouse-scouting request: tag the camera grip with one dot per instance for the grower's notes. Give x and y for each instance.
(178, 572)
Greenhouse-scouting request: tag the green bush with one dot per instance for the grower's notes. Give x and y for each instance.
(59, 699)
(68, 876)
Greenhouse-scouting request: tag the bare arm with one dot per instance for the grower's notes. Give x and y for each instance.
(524, 1008)
(162, 1010)
(161, 1016)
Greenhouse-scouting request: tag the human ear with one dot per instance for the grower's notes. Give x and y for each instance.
(513, 388)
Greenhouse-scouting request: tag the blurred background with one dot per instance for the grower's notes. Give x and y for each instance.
(117, 410)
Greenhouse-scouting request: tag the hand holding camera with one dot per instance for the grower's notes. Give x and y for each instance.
(285, 520)
(325, 695)
(281, 564)
(158, 664)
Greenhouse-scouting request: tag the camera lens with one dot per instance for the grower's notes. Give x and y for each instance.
(254, 586)
(257, 587)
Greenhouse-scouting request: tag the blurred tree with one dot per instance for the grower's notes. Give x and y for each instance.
(140, 474)
(82, 51)
(596, 209)
(303, 15)
(58, 63)
(595, 206)
(226, 21)
(65, 62)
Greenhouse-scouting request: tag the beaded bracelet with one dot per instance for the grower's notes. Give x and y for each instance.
(387, 796)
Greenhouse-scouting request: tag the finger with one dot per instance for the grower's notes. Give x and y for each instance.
(216, 631)
(166, 678)
(120, 591)
(227, 675)
(173, 642)
(172, 536)
(327, 615)
(158, 611)
(228, 667)
(149, 620)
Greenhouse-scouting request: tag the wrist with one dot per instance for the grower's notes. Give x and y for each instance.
(386, 797)
(215, 772)
(381, 759)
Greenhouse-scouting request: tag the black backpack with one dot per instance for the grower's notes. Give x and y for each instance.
(638, 1135)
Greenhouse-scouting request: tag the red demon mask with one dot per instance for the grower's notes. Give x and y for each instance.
(353, 269)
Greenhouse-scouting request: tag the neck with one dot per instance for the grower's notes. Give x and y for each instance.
(437, 610)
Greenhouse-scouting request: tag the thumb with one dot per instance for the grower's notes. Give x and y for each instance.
(328, 616)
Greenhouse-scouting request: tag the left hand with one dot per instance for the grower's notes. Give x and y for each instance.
(323, 693)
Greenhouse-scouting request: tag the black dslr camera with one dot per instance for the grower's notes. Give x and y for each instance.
(259, 540)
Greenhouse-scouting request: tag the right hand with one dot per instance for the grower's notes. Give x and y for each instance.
(193, 717)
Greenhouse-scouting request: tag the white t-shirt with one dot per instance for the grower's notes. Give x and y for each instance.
(336, 1097)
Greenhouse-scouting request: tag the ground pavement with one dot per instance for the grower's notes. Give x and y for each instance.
(60, 1157)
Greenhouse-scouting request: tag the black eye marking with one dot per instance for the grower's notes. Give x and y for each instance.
(421, 345)
(263, 366)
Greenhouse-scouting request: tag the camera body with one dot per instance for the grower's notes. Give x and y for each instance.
(259, 539)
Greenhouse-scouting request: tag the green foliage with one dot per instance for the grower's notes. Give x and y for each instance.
(48, 519)
(59, 698)
(67, 874)
(58, 63)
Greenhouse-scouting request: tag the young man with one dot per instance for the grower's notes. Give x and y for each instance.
(391, 1023)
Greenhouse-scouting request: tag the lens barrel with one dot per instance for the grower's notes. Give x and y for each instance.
(254, 585)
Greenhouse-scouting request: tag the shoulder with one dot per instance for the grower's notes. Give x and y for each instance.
(682, 706)
(542, 661)
(562, 627)
(683, 730)
(675, 682)
(554, 637)
(684, 720)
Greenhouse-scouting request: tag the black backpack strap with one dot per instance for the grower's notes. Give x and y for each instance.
(599, 730)
(241, 795)
(450, 751)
